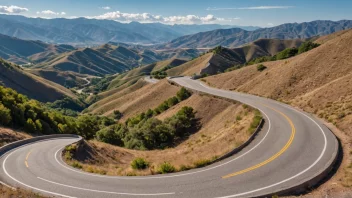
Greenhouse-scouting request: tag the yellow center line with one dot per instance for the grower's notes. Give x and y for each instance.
(25, 162)
(293, 131)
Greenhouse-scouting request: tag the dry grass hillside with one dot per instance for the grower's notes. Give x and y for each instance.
(33, 86)
(319, 81)
(224, 126)
(64, 78)
(133, 102)
(223, 58)
(191, 67)
(9, 135)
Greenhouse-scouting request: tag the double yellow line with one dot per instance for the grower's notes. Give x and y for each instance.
(272, 158)
(26, 161)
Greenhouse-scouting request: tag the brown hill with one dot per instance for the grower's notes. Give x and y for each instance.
(137, 101)
(223, 58)
(33, 86)
(319, 81)
(25, 51)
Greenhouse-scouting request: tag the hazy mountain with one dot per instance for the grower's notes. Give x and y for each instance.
(82, 31)
(24, 51)
(236, 37)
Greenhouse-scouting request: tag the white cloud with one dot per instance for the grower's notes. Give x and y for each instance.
(106, 8)
(270, 24)
(147, 18)
(50, 12)
(253, 8)
(12, 9)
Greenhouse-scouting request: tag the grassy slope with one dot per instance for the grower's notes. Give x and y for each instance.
(318, 81)
(149, 96)
(31, 85)
(69, 79)
(212, 63)
(220, 133)
(191, 67)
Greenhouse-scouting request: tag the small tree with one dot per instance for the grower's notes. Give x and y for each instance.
(183, 94)
(261, 67)
(30, 126)
(5, 115)
(117, 115)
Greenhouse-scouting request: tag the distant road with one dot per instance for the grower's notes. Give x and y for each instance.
(292, 148)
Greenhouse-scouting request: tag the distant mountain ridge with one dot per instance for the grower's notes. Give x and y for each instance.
(236, 37)
(83, 31)
(24, 51)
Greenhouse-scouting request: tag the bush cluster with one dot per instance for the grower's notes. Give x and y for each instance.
(166, 168)
(147, 133)
(287, 53)
(139, 163)
(161, 73)
(17, 110)
(261, 67)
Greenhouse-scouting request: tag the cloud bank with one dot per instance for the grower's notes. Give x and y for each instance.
(12, 9)
(147, 17)
(50, 12)
(253, 8)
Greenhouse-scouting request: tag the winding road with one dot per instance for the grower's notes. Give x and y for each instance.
(291, 149)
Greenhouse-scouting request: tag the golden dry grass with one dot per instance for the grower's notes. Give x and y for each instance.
(9, 135)
(191, 67)
(9, 193)
(149, 96)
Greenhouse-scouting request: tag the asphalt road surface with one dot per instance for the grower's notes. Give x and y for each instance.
(291, 148)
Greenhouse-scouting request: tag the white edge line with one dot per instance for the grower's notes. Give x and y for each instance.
(28, 186)
(170, 176)
(108, 192)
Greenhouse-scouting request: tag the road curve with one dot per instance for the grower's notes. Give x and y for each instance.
(292, 148)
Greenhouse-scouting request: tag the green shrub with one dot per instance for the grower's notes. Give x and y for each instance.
(201, 163)
(139, 163)
(117, 115)
(183, 94)
(255, 122)
(261, 67)
(166, 168)
(287, 53)
(305, 47)
(76, 164)
(5, 115)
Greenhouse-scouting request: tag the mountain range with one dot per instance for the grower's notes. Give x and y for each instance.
(236, 37)
(85, 32)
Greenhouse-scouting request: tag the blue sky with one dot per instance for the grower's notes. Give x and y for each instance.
(233, 12)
